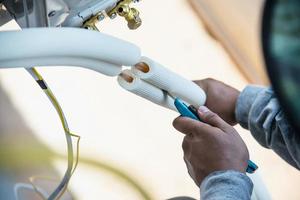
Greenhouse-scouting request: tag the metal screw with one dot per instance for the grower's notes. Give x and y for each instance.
(101, 17)
(113, 15)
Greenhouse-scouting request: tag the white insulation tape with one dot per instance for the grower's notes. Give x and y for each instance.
(161, 77)
(132, 83)
(66, 47)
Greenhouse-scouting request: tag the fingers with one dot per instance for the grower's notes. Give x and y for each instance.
(185, 125)
(191, 127)
(213, 119)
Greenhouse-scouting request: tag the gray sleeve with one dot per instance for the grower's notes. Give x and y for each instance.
(226, 185)
(258, 110)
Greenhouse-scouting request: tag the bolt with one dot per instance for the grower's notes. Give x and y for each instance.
(113, 15)
(101, 17)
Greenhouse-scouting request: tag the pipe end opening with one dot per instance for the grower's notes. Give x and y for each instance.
(143, 67)
(127, 78)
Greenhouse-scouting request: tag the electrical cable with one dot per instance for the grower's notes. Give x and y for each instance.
(61, 188)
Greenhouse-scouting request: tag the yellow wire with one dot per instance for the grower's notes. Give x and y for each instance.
(76, 163)
(77, 151)
(64, 125)
(54, 101)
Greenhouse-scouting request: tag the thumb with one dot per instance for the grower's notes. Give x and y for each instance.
(212, 119)
(185, 125)
(190, 127)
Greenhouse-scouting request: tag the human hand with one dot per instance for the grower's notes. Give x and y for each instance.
(221, 98)
(211, 145)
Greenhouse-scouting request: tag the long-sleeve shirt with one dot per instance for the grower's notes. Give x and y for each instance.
(257, 110)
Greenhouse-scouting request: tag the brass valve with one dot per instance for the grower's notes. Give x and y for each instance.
(91, 23)
(131, 15)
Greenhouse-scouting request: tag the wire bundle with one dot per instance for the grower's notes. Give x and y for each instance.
(72, 163)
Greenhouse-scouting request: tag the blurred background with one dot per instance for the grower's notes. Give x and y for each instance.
(129, 149)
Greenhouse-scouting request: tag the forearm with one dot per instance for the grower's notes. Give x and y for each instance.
(258, 110)
(226, 185)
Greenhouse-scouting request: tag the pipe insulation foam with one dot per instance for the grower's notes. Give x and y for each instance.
(66, 46)
(163, 78)
(134, 84)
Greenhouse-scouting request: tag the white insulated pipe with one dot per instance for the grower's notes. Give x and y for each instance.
(165, 79)
(97, 51)
(66, 47)
(154, 82)
(105, 54)
(134, 84)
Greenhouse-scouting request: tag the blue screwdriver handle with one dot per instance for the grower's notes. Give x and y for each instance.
(187, 111)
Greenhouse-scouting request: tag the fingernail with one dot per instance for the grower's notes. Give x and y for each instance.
(203, 109)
